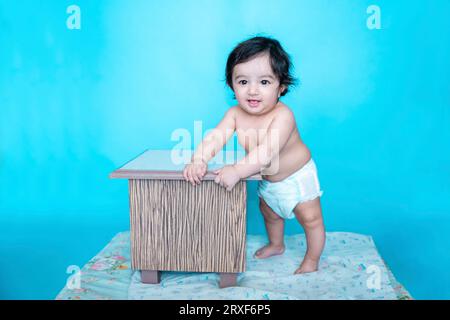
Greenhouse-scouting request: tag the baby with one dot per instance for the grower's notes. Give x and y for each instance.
(258, 72)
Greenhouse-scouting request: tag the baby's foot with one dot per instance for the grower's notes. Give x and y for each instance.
(268, 251)
(308, 265)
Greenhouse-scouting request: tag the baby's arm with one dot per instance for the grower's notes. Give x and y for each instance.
(208, 148)
(216, 139)
(278, 134)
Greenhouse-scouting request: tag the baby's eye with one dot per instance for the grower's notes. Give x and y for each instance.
(265, 82)
(243, 82)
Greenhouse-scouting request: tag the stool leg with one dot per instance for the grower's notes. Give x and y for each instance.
(228, 280)
(150, 276)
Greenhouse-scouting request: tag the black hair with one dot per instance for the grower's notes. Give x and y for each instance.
(279, 60)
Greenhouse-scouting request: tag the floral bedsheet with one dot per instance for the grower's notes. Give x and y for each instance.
(350, 268)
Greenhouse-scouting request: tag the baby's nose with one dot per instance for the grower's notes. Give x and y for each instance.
(253, 89)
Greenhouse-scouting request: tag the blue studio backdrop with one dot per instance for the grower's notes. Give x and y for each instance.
(87, 85)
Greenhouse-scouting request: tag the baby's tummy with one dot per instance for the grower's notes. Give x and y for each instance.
(290, 160)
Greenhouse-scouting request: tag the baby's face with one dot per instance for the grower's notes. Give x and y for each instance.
(256, 87)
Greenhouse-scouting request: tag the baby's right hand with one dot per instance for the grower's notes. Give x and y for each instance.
(194, 172)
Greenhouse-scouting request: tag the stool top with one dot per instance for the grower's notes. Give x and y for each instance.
(169, 165)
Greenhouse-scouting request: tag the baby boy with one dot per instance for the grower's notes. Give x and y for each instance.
(258, 71)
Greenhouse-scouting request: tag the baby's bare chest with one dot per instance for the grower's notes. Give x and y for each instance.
(251, 133)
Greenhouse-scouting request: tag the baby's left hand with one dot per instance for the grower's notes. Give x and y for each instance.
(227, 177)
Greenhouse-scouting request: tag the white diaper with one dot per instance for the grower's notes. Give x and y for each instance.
(282, 196)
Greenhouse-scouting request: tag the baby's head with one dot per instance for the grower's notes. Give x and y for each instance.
(259, 72)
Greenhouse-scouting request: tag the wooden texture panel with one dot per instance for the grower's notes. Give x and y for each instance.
(178, 227)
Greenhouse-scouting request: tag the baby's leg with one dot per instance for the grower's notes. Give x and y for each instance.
(309, 214)
(275, 231)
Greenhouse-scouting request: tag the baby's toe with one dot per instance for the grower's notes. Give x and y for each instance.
(258, 253)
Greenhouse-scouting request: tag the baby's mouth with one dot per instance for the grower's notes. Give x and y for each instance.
(253, 103)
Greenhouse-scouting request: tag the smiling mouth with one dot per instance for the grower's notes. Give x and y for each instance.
(253, 103)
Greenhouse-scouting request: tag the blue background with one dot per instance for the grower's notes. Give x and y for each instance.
(373, 106)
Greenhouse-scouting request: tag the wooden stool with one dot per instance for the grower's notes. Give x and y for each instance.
(175, 226)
